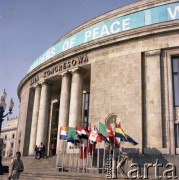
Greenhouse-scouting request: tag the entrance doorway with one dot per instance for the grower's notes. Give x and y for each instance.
(54, 128)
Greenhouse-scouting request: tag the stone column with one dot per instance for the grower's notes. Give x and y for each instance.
(34, 120)
(25, 119)
(63, 114)
(43, 119)
(171, 118)
(64, 107)
(75, 116)
(153, 100)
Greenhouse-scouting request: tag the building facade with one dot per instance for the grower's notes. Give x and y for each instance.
(9, 134)
(124, 63)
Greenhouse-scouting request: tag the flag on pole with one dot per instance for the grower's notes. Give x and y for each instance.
(102, 129)
(114, 143)
(94, 135)
(91, 144)
(106, 140)
(119, 132)
(82, 133)
(129, 139)
(109, 131)
(63, 133)
(72, 135)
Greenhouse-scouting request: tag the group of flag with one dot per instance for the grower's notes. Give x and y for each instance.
(112, 137)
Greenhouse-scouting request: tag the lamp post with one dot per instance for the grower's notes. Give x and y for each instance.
(2, 110)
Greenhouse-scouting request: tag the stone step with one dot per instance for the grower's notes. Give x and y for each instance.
(41, 165)
(57, 176)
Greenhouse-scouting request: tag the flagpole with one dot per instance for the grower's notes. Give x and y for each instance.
(98, 157)
(63, 155)
(113, 159)
(104, 154)
(77, 161)
(113, 165)
(92, 156)
(64, 152)
(70, 160)
(83, 156)
(87, 154)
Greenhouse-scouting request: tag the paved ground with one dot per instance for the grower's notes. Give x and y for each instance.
(60, 176)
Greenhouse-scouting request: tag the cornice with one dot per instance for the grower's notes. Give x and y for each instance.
(8, 129)
(108, 40)
(105, 41)
(122, 11)
(153, 53)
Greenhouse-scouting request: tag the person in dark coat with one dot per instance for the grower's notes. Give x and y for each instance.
(36, 151)
(43, 150)
(52, 149)
(40, 150)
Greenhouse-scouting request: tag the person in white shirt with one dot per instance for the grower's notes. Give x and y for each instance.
(16, 167)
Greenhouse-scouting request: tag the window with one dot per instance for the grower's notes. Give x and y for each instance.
(13, 135)
(175, 73)
(86, 101)
(12, 145)
(4, 146)
(5, 137)
(177, 135)
(4, 153)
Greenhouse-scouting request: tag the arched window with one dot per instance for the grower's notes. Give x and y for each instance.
(111, 120)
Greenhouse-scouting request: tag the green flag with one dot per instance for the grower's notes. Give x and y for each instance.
(71, 134)
(102, 129)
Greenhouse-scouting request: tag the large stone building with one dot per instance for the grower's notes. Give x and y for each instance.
(124, 62)
(9, 136)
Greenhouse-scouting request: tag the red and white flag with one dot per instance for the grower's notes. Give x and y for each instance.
(82, 132)
(95, 135)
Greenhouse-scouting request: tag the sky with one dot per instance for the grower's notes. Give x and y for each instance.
(29, 27)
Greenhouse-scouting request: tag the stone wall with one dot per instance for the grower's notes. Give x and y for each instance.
(23, 125)
(116, 88)
(122, 84)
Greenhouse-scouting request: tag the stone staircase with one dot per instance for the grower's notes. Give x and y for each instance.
(45, 169)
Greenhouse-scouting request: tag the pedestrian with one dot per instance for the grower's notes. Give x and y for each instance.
(40, 150)
(36, 151)
(16, 167)
(52, 149)
(43, 150)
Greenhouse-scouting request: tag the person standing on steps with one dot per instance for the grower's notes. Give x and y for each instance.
(43, 150)
(40, 150)
(16, 167)
(36, 151)
(52, 150)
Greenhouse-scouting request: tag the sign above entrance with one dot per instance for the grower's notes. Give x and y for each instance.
(164, 13)
(64, 66)
(59, 68)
